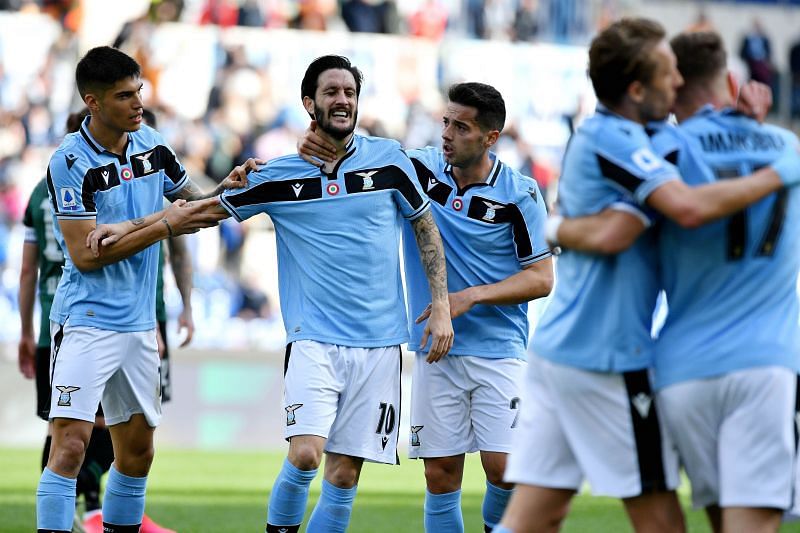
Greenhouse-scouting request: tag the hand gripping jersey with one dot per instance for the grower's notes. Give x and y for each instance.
(600, 312)
(730, 284)
(490, 231)
(338, 240)
(87, 182)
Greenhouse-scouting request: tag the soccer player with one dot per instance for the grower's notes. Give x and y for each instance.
(41, 254)
(590, 411)
(492, 223)
(102, 317)
(727, 358)
(338, 231)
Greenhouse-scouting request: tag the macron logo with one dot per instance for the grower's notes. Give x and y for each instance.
(432, 183)
(297, 187)
(642, 403)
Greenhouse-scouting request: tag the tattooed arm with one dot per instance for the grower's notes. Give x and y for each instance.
(236, 179)
(181, 263)
(431, 253)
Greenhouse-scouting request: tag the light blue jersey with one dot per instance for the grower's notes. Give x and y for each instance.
(600, 312)
(338, 239)
(490, 231)
(731, 284)
(87, 182)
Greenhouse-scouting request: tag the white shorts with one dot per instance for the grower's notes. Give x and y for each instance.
(120, 368)
(600, 427)
(463, 404)
(736, 436)
(350, 396)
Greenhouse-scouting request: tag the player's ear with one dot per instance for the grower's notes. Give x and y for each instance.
(636, 91)
(92, 101)
(308, 103)
(491, 138)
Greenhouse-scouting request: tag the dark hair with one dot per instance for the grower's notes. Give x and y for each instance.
(149, 118)
(620, 55)
(701, 56)
(102, 67)
(485, 98)
(308, 87)
(74, 120)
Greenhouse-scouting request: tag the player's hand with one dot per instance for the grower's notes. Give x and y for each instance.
(314, 149)
(162, 346)
(755, 100)
(106, 235)
(237, 178)
(26, 355)
(460, 303)
(440, 328)
(190, 217)
(787, 166)
(186, 322)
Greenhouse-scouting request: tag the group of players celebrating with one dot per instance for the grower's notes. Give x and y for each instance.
(699, 210)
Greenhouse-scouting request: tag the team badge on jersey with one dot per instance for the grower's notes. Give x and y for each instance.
(68, 198)
(290, 417)
(333, 189)
(491, 211)
(65, 398)
(367, 177)
(147, 167)
(415, 435)
(458, 204)
(126, 173)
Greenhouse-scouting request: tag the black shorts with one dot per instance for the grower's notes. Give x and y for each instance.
(43, 382)
(166, 381)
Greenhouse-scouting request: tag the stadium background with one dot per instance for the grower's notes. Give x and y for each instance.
(223, 78)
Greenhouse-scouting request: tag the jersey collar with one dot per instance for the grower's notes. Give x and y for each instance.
(97, 147)
(490, 180)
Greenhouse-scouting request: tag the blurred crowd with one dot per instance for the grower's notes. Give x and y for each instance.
(241, 120)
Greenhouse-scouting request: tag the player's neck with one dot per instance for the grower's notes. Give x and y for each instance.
(476, 172)
(111, 139)
(690, 101)
(340, 144)
(627, 109)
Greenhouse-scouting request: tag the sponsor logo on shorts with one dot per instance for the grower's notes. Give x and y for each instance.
(415, 435)
(642, 403)
(65, 398)
(384, 441)
(290, 417)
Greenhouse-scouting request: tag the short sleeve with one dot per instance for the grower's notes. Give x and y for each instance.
(630, 162)
(68, 195)
(175, 177)
(244, 203)
(528, 217)
(407, 190)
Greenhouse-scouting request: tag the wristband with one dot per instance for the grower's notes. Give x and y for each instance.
(169, 228)
(551, 229)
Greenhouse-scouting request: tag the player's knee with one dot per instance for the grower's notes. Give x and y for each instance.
(135, 461)
(67, 455)
(442, 477)
(306, 457)
(343, 476)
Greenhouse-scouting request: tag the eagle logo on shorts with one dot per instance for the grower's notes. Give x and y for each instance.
(290, 419)
(415, 435)
(65, 398)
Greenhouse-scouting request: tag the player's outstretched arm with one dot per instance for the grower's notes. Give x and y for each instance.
(532, 282)
(431, 252)
(28, 275)
(182, 270)
(236, 179)
(694, 206)
(611, 231)
(108, 244)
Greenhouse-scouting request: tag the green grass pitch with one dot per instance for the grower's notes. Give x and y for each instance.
(213, 491)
